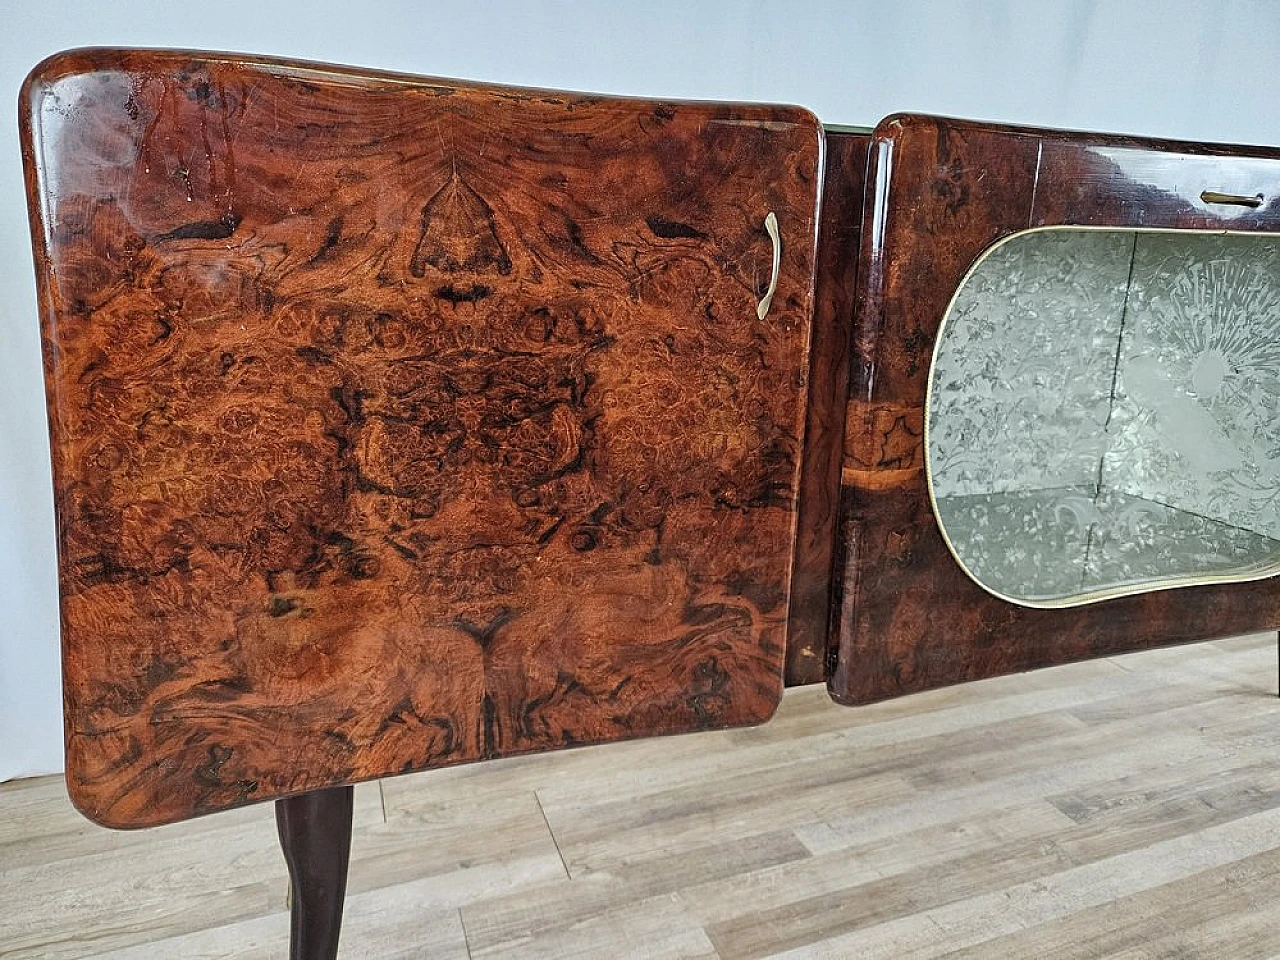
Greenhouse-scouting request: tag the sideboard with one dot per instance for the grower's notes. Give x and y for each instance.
(401, 422)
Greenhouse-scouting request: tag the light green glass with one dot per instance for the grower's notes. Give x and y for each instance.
(1104, 413)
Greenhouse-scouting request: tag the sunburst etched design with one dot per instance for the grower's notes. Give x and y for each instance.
(1198, 388)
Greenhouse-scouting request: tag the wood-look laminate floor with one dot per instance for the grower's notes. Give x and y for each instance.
(1124, 808)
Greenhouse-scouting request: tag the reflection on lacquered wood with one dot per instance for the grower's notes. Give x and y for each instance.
(941, 192)
(400, 423)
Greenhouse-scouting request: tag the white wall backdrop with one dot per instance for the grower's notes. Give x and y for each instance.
(1175, 68)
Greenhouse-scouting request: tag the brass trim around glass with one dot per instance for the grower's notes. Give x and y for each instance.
(1207, 379)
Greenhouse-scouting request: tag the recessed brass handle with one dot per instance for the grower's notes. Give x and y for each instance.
(1234, 199)
(771, 228)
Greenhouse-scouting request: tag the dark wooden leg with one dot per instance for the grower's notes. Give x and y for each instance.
(315, 834)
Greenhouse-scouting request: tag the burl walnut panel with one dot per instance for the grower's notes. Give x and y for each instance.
(940, 192)
(398, 423)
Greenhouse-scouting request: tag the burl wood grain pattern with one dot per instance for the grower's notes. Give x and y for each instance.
(398, 423)
(940, 192)
(839, 229)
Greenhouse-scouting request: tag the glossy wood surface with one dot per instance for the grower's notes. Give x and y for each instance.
(398, 423)
(940, 192)
(839, 229)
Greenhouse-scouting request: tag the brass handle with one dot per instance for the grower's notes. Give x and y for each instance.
(1234, 199)
(771, 228)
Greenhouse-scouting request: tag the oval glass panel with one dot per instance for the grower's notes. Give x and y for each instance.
(1103, 414)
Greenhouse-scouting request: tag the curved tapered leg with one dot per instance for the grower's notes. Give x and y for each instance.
(315, 834)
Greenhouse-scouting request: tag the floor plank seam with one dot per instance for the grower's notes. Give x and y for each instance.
(1115, 662)
(552, 834)
(466, 937)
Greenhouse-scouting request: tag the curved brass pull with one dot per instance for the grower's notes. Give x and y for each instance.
(1235, 199)
(771, 228)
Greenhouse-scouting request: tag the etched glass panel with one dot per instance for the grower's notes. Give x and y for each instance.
(1104, 413)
